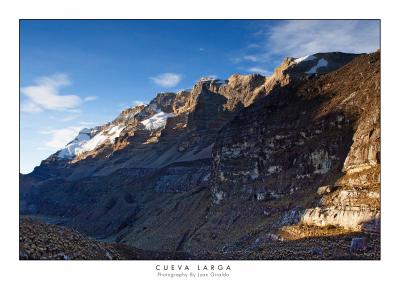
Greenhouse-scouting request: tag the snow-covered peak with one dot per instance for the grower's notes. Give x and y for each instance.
(86, 142)
(85, 131)
(151, 116)
(83, 135)
(305, 58)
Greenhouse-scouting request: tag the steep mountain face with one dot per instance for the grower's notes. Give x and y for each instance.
(217, 167)
(306, 154)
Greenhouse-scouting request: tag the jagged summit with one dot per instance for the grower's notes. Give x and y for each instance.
(238, 91)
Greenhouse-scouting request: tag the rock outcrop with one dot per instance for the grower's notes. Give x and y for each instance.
(356, 201)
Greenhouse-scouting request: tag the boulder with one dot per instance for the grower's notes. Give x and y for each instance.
(358, 244)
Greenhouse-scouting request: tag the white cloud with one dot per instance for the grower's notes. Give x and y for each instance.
(43, 149)
(30, 107)
(302, 37)
(60, 137)
(253, 45)
(75, 110)
(167, 79)
(70, 117)
(44, 95)
(297, 38)
(90, 98)
(86, 123)
(66, 116)
(258, 70)
(253, 58)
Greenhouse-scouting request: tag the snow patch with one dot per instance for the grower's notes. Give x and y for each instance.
(157, 121)
(110, 134)
(84, 142)
(71, 148)
(153, 106)
(213, 79)
(305, 58)
(321, 63)
(207, 78)
(220, 82)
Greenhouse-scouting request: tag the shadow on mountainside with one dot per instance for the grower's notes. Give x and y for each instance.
(322, 141)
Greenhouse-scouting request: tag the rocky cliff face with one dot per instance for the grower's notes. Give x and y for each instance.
(355, 201)
(306, 154)
(225, 164)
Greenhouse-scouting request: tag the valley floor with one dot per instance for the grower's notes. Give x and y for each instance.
(43, 241)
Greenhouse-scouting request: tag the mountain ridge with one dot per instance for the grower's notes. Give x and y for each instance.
(216, 167)
(238, 89)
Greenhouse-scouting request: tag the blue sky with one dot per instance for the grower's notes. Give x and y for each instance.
(77, 74)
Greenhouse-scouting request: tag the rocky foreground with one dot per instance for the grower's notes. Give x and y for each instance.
(42, 241)
(38, 240)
